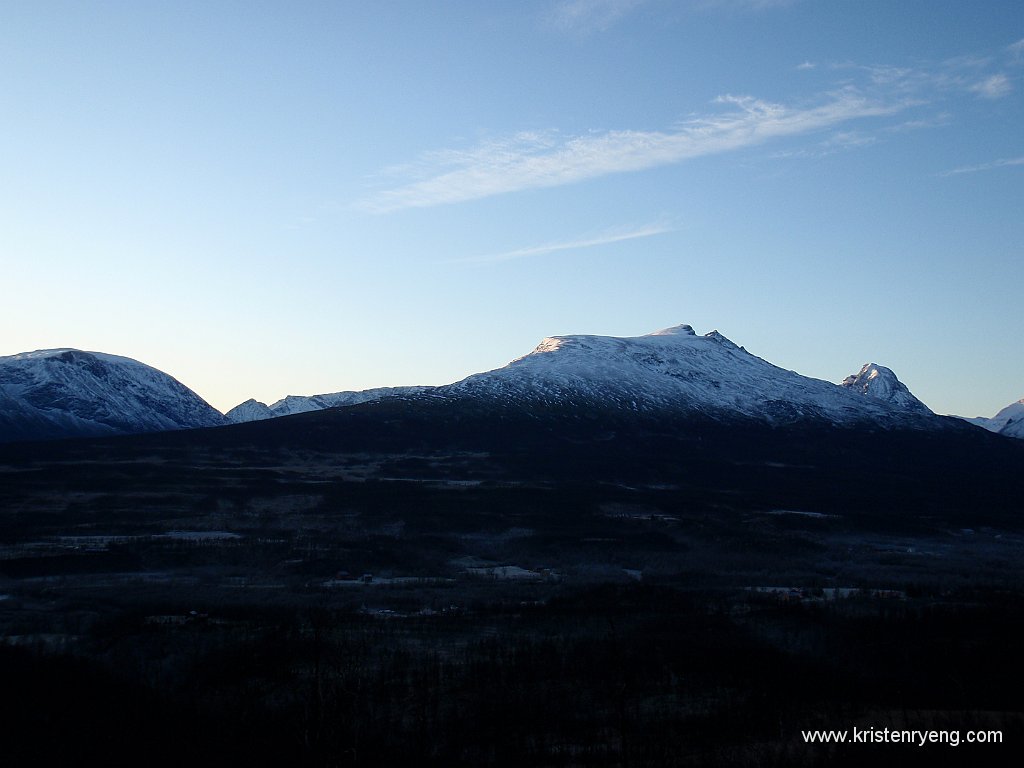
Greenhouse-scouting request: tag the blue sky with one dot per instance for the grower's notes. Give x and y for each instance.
(266, 199)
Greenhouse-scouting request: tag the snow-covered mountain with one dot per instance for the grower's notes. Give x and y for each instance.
(300, 404)
(250, 410)
(672, 370)
(1014, 420)
(64, 392)
(1009, 421)
(675, 370)
(253, 410)
(67, 392)
(880, 382)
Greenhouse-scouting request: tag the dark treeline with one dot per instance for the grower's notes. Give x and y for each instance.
(610, 676)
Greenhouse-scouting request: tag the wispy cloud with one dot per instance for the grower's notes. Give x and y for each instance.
(1016, 50)
(840, 141)
(547, 159)
(604, 238)
(803, 66)
(585, 17)
(959, 74)
(1001, 163)
(588, 16)
(832, 121)
(848, 139)
(993, 87)
(742, 5)
(936, 121)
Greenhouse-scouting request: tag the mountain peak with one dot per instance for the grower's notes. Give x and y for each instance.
(879, 382)
(716, 336)
(1009, 421)
(675, 330)
(251, 410)
(871, 374)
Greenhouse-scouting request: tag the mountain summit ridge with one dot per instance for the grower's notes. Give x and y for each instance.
(674, 369)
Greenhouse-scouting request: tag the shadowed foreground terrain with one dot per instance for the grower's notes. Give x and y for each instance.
(405, 585)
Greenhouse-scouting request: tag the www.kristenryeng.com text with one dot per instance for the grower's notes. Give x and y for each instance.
(917, 737)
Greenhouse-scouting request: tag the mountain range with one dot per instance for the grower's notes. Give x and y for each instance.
(254, 410)
(64, 392)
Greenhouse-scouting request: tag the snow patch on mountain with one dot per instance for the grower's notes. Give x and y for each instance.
(1011, 415)
(1014, 428)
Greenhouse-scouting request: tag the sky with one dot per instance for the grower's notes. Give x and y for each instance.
(267, 198)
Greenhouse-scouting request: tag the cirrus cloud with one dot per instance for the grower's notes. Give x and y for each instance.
(603, 238)
(993, 87)
(543, 159)
(1000, 163)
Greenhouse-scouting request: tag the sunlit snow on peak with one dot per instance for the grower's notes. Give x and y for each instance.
(675, 330)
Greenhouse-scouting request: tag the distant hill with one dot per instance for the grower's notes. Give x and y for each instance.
(56, 393)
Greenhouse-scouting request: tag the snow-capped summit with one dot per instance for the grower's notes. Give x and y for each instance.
(675, 370)
(881, 383)
(1012, 418)
(676, 330)
(250, 410)
(67, 392)
(1009, 421)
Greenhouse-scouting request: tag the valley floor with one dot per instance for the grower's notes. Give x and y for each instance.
(164, 604)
